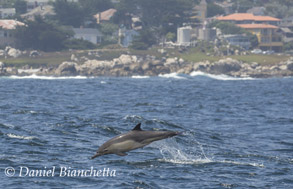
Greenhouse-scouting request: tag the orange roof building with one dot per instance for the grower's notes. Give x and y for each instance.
(264, 27)
(248, 17)
(257, 26)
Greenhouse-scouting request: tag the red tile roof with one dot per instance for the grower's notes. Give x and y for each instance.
(10, 24)
(246, 16)
(257, 26)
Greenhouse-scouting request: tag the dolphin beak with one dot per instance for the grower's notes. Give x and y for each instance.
(96, 155)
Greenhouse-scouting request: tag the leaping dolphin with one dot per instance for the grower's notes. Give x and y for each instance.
(136, 138)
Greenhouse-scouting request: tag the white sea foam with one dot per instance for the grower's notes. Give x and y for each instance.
(219, 77)
(140, 77)
(10, 135)
(7, 125)
(241, 163)
(46, 77)
(172, 75)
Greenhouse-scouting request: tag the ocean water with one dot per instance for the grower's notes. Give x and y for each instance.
(236, 133)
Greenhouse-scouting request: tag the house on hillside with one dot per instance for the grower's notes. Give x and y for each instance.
(287, 22)
(287, 34)
(105, 15)
(126, 36)
(264, 27)
(32, 4)
(6, 32)
(239, 40)
(89, 34)
(43, 11)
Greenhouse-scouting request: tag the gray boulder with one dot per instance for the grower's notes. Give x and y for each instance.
(13, 52)
(67, 69)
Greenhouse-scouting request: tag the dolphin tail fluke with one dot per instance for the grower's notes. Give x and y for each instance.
(171, 134)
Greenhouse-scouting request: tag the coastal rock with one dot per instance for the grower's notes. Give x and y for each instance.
(96, 67)
(225, 66)
(202, 66)
(283, 67)
(97, 64)
(2, 68)
(126, 59)
(13, 52)
(34, 54)
(290, 66)
(66, 69)
(2, 52)
(73, 58)
(254, 65)
(2, 65)
(11, 71)
(170, 61)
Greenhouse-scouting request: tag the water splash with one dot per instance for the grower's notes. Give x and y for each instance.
(172, 152)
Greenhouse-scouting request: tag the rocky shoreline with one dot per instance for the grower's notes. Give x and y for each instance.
(131, 65)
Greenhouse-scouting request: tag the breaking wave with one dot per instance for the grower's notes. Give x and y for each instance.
(140, 77)
(218, 77)
(46, 77)
(172, 75)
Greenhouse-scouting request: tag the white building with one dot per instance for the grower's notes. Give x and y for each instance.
(88, 34)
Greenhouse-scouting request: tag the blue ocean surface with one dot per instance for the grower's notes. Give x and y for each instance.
(236, 133)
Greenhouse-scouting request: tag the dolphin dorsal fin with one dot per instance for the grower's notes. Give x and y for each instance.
(137, 127)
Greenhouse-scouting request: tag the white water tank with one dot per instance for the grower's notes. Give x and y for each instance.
(184, 35)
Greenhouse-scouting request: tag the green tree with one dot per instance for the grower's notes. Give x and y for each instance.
(20, 7)
(69, 13)
(213, 10)
(108, 30)
(165, 15)
(125, 8)
(170, 36)
(41, 35)
(94, 6)
(242, 5)
(253, 39)
(227, 28)
(144, 40)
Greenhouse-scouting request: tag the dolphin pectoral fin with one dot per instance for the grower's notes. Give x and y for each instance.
(121, 153)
